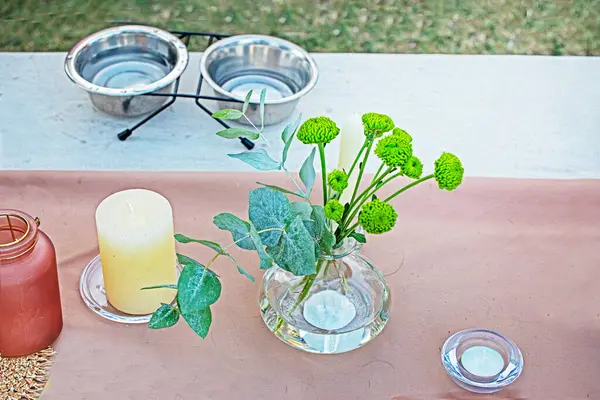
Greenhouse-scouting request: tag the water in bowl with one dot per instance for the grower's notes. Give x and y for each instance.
(123, 71)
(277, 86)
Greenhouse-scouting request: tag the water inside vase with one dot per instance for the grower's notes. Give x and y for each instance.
(349, 305)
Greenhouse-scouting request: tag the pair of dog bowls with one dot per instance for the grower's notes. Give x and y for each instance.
(118, 66)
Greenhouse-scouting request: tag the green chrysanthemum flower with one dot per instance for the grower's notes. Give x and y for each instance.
(338, 180)
(413, 168)
(401, 133)
(377, 217)
(448, 171)
(334, 210)
(318, 130)
(377, 124)
(393, 150)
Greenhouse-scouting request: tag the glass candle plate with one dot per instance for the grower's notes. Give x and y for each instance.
(91, 288)
(491, 361)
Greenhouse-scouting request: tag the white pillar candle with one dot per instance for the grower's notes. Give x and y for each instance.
(352, 139)
(482, 361)
(137, 249)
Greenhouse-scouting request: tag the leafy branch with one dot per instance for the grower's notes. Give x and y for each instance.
(298, 236)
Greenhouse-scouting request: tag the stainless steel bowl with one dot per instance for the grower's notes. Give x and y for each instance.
(235, 65)
(116, 65)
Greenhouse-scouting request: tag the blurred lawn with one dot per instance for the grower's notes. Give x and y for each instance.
(395, 26)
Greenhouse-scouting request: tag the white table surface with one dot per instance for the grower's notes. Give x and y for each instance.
(505, 116)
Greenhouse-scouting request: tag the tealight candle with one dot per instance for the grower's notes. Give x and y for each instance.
(482, 361)
(137, 249)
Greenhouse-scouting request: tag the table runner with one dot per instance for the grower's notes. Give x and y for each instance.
(517, 256)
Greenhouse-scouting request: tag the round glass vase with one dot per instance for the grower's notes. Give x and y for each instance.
(342, 307)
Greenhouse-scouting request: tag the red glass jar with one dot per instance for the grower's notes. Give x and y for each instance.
(30, 309)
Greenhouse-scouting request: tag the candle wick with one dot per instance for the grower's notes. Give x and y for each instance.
(130, 207)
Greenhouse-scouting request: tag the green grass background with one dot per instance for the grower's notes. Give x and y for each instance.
(392, 26)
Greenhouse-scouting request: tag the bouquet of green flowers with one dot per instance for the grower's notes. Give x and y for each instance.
(285, 227)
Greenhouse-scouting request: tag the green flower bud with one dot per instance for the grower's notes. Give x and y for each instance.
(338, 180)
(393, 150)
(448, 171)
(318, 130)
(413, 168)
(334, 210)
(377, 217)
(377, 124)
(401, 133)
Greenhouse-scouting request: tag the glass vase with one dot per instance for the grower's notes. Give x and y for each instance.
(342, 307)
(30, 307)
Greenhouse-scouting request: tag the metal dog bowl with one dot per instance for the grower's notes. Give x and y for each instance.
(116, 65)
(235, 65)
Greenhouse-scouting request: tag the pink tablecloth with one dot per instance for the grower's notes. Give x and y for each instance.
(518, 256)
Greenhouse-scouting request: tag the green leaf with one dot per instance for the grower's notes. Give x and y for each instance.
(307, 172)
(199, 321)
(240, 269)
(319, 229)
(288, 136)
(216, 247)
(266, 261)
(360, 238)
(228, 113)
(167, 286)
(198, 286)
(164, 317)
(238, 228)
(236, 133)
(213, 245)
(303, 209)
(282, 190)
(263, 94)
(269, 209)
(259, 159)
(295, 251)
(247, 101)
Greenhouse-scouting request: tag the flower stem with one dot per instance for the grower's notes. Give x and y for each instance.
(323, 171)
(361, 171)
(355, 207)
(423, 179)
(307, 287)
(364, 146)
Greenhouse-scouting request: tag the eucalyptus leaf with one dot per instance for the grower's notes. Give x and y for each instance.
(288, 136)
(238, 228)
(199, 320)
(360, 238)
(295, 251)
(266, 261)
(263, 95)
(247, 101)
(167, 286)
(307, 172)
(303, 209)
(259, 159)
(269, 209)
(236, 133)
(213, 245)
(228, 113)
(164, 317)
(319, 229)
(198, 287)
(282, 190)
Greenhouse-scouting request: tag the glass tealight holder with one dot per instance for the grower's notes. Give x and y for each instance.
(91, 289)
(482, 361)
